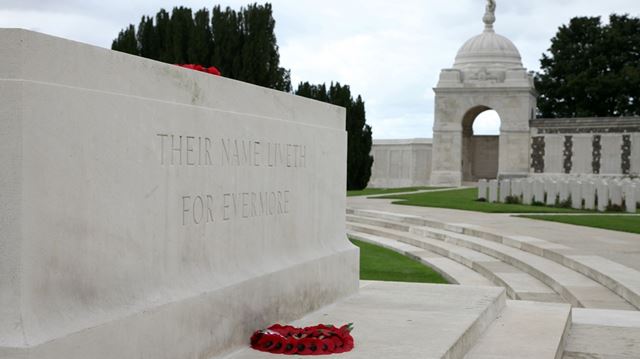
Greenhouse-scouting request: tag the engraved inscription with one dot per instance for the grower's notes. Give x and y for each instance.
(185, 150)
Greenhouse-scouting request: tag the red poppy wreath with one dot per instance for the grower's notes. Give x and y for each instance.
(317, 340)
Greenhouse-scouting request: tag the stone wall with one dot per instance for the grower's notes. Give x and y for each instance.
(151, 211)
(600, 146)
(400, 163)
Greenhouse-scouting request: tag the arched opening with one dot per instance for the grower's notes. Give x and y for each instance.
(480, 144)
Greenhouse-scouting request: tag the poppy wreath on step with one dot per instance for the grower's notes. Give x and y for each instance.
(210, 70)
(317, 340)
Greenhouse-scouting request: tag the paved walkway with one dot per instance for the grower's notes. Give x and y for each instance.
(620, 247)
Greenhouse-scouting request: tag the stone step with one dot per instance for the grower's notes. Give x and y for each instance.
(525, 330)
(575, 287)
(621, 279)
(408, 320)
(603, 334)
(452, 271)
(519, 285)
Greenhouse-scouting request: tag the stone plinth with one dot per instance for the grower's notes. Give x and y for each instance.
(151, 211)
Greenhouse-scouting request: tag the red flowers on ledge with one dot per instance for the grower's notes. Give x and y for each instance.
(210, 70)
(317, 340)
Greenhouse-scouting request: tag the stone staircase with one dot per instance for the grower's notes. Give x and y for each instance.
(537, 275)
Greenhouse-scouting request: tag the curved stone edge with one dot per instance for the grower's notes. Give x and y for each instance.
(629, 292)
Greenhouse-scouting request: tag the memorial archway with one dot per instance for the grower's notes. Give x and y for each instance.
(480, 144)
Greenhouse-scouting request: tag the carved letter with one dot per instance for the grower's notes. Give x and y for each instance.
(162, 138)
(185, 209)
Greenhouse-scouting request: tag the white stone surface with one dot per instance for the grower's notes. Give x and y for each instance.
(582, 159)
(553, 149)
(482, 189)
(516, 187)
(493, 191)
(527, 192)
(400, 163)
(589, 195)
(602, 193)
(635, 154)
(576, 194)
(563, 190)
(551, 189)
(505, 190)
(150, 211)
(538, 191)
(408, 320)
(615, 193)
(611, 159)
(630, 199)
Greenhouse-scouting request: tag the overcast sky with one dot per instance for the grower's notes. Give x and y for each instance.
(389, 52)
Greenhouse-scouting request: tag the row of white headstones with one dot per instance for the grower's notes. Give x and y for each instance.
(587, 193)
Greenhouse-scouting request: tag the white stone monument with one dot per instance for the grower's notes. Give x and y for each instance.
(505, 190)
(482, 189)
(151, 211)
(589, 195)
(615, 193)
(630, 199)
(551, 188)
(487, 74)
(527, 192)
(576, 194)
(493, 191)
(538, 191)
(563, 191)
(516, 188)
(602, 189)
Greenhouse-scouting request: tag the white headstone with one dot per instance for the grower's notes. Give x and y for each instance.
(482, 189)
(527, 192)
(505, 190)
(589, 195)
(538, 191)
(551, 188)
(602, 189)
(576, 194)
(563, 191)
(630, 199)
(516, 188)
(493, 191)
(152, 211)
(615, 193)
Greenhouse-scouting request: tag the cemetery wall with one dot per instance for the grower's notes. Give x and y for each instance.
(400, 163)
(151, 211)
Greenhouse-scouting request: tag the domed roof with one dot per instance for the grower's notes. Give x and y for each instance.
(488, 49)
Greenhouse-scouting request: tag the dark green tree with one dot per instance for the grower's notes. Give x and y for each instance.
(126, 41)
(241, 44)
(592, 69)
(359, 159)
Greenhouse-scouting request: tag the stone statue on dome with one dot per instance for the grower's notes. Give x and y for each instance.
(490, 15)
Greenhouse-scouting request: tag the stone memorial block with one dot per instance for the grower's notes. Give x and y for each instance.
(602, 189)
(615, 193)
(538, 191)
(527, 192)
(551, 189)
(493, 191)
(630, 199)
(505, 190)
(610, 160)
(589, 195)
(482, 189)
(576, 194)
(151, 211)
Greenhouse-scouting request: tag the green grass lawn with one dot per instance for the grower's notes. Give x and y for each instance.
(374, 191)
(377, 263)
(629, 224)
(465, 199)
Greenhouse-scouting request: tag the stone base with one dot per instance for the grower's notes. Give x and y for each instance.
(446, 178)
(408, 320)
(204, 322)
